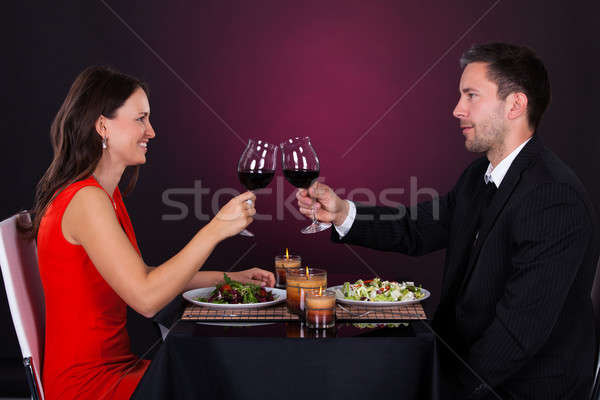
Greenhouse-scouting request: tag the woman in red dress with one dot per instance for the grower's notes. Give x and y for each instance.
(90, 263)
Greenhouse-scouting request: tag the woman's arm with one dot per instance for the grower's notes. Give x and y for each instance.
(256, 276)
(90, 221)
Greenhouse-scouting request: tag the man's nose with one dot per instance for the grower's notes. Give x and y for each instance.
(459, 111)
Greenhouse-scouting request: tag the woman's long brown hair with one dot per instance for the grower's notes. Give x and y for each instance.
(76, 143)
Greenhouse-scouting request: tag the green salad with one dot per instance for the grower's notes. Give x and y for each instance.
(377, 290)
(234, 292)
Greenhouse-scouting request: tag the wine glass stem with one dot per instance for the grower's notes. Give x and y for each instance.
(246, 232)
(314, 212)
(314, 206)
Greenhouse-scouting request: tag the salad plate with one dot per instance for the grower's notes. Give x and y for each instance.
(193, 295)
(392, 296)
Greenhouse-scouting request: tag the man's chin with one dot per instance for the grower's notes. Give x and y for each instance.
(474, 147)
(469, 146)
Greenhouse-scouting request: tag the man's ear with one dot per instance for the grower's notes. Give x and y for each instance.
(101, 126)
(517, 105)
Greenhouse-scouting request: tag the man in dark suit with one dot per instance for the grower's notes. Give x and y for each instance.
(520, 237)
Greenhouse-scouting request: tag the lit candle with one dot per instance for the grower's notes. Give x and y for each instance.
(320, 309)
(282, 264)
(299, 281)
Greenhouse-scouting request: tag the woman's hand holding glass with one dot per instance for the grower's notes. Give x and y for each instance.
(235, 216)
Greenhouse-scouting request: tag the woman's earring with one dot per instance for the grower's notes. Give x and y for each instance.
(104, 142)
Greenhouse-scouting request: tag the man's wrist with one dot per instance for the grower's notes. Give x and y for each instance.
(341, 216)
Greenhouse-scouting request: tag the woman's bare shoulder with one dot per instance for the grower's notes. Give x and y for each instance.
(89, 207)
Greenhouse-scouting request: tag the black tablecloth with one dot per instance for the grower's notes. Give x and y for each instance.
(207, 362)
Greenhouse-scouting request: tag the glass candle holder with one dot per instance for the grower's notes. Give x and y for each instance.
(295, 329)
(299, 281)
(319, 309)
(282, 264)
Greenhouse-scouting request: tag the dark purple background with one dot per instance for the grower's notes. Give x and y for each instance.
(276, 69)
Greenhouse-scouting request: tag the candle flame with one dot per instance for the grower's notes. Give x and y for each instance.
(320, 290)
(287, 254)
(307, 274)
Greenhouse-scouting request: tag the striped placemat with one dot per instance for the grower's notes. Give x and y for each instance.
(279, 313)
(404, 312)
(276, 313)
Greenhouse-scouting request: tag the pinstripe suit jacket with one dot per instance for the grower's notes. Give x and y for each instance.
(516, 306)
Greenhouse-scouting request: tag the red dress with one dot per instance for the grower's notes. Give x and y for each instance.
(87, 352)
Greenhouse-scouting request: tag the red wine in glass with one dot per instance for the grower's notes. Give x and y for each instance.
(301, 168)
(254, 180)
(256, 167)
(302, 178)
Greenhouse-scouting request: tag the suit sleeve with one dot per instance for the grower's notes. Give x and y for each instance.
(413, 231)
(550, 234)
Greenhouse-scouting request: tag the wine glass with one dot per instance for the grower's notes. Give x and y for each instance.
(256, 167)
(301, 169)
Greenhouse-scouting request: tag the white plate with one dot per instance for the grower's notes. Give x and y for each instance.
(192, 295)
(339, 295)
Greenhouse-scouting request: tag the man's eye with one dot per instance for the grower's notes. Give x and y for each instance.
(471, 95)
(141, 119)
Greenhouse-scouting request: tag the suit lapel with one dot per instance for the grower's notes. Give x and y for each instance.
(525, 157)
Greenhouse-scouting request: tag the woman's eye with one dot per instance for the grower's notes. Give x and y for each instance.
(141, 119)
(471, 95)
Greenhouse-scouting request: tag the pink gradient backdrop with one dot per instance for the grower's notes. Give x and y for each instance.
(275, 69)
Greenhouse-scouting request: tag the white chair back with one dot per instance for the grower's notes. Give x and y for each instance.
(18, 261)
(595, 394)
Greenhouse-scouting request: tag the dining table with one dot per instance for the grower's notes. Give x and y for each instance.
(367, 359)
